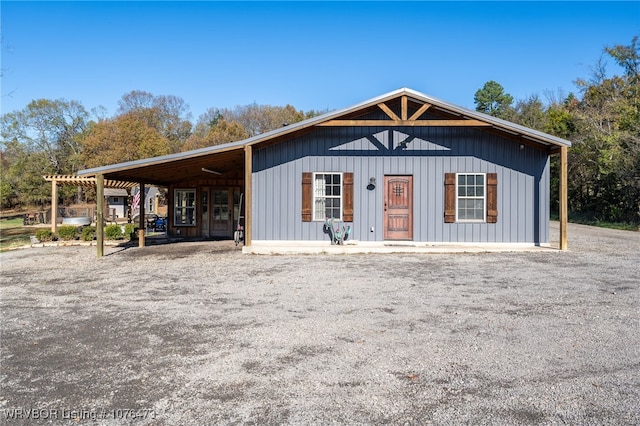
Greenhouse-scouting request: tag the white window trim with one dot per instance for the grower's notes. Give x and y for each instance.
(313, 200)
(195, 219)
(484, 199)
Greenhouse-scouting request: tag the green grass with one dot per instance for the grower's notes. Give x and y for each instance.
(610, 225)
(14, 234)
(623, 226)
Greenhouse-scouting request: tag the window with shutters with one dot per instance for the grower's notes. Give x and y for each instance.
(327, 196)
(470, 199)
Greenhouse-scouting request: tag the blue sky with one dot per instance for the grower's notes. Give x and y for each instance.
(312, 55)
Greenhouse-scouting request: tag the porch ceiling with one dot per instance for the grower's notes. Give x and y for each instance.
(165, 172)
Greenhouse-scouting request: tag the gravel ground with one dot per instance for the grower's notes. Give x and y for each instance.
(197, 333)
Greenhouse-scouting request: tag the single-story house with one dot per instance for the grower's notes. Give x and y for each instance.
(116, 200)
(403, 166)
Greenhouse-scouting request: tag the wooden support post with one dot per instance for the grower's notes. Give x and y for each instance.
(247, 194)
(564, 205)
(142, 223)
(54, 206)
(100, 214)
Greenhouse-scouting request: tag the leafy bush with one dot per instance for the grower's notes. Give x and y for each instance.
(130, 230)
(67, 232)
(88, 233)
(113, 232)
(44, 235)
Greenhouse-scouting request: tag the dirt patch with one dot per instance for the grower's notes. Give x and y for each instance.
(199, 333)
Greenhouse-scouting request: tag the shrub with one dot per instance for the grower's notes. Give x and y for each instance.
(88, 233)
(130, 230)
(44, 235)
(67, 232)
(113, 232)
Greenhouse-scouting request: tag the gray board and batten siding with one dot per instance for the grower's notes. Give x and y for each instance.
(430, 152)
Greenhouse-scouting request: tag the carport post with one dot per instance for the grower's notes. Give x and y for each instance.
(248, 197)
(100, 214)
(141, 221)
(564, 205)
(54, 206)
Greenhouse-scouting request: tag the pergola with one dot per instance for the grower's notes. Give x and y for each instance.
(87, 182)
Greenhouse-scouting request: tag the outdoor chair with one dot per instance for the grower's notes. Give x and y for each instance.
(338, 236)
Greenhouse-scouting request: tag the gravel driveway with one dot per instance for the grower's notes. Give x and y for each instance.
(197, 333)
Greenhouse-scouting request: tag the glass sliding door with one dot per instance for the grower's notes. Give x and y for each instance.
(221, 213)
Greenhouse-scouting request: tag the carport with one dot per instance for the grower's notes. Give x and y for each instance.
(228, 165)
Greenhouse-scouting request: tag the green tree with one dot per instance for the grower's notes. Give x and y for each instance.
(43, 138)
(493, 100)
(605, 158)
(53, 128)
(530, 112)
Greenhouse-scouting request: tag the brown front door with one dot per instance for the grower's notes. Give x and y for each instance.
(398, 207)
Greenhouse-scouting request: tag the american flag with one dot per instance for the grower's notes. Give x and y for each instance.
(136, 200)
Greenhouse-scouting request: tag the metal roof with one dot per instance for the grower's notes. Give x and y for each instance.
(498, 124)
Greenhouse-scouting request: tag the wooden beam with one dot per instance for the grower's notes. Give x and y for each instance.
(142, 223)
(392, 115)
(100, 214)
(248, 198)
(54, 206)
(416, 123)
(404, 113)
(419, 112)
(564, 205)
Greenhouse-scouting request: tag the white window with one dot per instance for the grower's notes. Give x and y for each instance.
(184, 212)
(470, 197)
(327, 196)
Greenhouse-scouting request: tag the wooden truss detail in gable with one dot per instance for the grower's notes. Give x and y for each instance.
(405, 120)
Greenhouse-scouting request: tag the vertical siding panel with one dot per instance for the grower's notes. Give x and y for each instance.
(271, 195)
(260, 200)
(376, 168)
(544, 197)
(435, 201)
(530, 189)
(264, 198)
(491, 152)
(285, 206)
(503, 191)
(439, 170)
(296, 192)
(306, 167)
